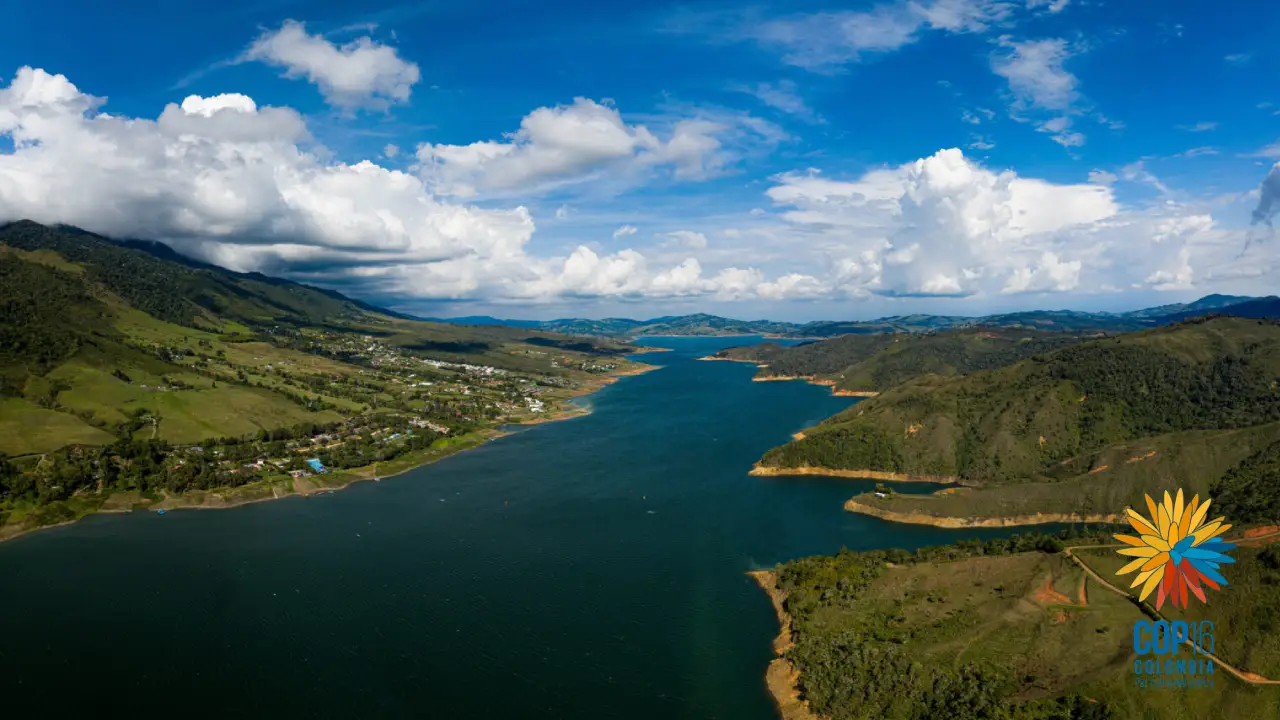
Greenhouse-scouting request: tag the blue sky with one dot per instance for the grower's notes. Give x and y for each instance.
(794, 160)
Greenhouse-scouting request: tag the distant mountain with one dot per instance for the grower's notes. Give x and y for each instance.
(487, 320)
(1057, 320)
(699, 324)
(1201, 306)
(1267, 307)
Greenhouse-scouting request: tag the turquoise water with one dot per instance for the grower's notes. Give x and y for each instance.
(583, 569)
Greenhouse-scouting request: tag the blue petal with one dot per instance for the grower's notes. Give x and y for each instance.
(1210, 573)
(1202, 554)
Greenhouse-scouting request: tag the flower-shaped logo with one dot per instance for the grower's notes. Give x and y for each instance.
(1177, 551)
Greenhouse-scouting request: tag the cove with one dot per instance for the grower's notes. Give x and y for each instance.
(580, 569)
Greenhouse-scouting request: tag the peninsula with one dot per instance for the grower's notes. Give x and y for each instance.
(1024, 435)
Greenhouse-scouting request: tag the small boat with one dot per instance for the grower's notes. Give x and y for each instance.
(160, 511)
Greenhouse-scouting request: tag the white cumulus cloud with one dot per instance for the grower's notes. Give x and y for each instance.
(360, 73)
(946, 226)
(575, 143)
(226, 180)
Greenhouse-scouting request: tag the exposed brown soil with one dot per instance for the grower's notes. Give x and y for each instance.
(782, 678)
(967, 522)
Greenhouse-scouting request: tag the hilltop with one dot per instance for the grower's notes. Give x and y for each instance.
(1082, 430)
(131, 375)
(1052, 320)
(855, 363)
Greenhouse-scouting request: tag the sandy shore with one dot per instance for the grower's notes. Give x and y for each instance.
(978, 522)
(823, 382)
(782, 678)
(713, 358)
(211, 500)
(772, 471)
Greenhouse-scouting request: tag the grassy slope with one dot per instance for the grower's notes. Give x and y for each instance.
(1099, 483)
(77, 307)
(26, 428)
(1019, 618)
(1093, 404)
(879, 362)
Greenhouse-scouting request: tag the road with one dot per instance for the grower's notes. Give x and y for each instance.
(1250, 677)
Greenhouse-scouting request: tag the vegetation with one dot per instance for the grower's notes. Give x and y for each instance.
(1004, 629)
(126, 369)
(1053, 320)
(1020, 422)
(1250, 491)
(879, 362)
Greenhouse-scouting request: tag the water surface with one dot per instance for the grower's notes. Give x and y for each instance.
(581, 569)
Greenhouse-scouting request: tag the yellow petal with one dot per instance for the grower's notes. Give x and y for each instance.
(1168, 503)
(1157, 561)
(1157, 543)
(1140, 523)
(1178, 506)
(1132, 566)
(1164, 521)
(1142, 577)
(1145, 551)
(1152, 508)
(1210, 531)
(1201, 513)
(1184, 527)
(1150, 584)
(1130, 540)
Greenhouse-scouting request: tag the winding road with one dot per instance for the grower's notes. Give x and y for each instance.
(1250, 677)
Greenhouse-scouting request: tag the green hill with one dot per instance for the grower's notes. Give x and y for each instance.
(1083, 429)
(1010, 628)
(879, 362)
(1204, 375)
(117, 358)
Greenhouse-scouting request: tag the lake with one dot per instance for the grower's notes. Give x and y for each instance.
(580, 569)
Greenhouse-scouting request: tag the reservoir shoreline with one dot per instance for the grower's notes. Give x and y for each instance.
(956, 523)
(759, 470)
(265, 491)
(782, 678)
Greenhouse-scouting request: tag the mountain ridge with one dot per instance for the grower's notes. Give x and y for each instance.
(706, 325)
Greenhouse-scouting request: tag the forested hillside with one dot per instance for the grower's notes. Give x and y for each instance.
(1015, 423)
(879, 362)
(1011, 629)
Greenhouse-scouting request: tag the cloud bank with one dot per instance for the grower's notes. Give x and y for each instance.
(245, 186)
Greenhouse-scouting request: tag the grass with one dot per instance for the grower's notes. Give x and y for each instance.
(186, 416)
(998, 610)
(1022, 617)
(26, 428)
(1189, 460)
(1245, 613)
(193, 415)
